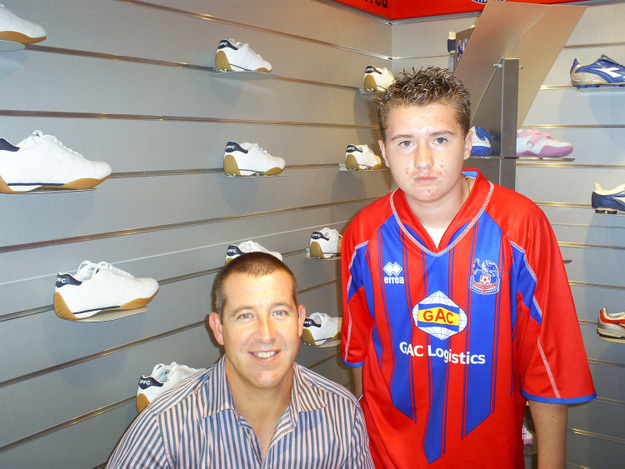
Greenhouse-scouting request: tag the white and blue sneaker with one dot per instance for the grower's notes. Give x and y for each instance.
(608, 200)
(42, 162)
(233, 251)
(325, 243)
(15, 29)
(163, 377)
(377, 79)
(233, 56)
(361, 157)
(602, 72)
(98, 288)
(248, 159)
(481, 141)
(321, 330)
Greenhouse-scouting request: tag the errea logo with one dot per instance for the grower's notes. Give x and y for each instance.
(392, 271)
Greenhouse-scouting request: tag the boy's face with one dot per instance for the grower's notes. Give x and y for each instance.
(425, 149)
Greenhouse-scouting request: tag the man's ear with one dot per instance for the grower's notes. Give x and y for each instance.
(301, 316)
(214, 321)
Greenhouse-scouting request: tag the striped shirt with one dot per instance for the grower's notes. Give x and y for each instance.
(196, 425)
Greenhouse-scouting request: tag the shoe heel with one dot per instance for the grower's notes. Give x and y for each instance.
(231, 168)
(351, 163)
(142, 402)
(4, 187)
(308, 338)
(370, 84)
(61, 309)
(222, 63)
(316, 251)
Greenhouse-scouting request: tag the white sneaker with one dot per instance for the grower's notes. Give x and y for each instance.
(41, 161)
(238, 57)
(248, 159)
(320, 328)
(15, 29)
(361, 157)
(377, 79)
(532, 142)
(100, 287)
(163, 377)
(247, 246)
(325, 243)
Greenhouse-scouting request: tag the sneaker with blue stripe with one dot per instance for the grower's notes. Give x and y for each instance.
(608, 200)
(602, 72)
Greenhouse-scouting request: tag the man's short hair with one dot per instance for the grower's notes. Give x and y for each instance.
(254, 264)
(431, 85)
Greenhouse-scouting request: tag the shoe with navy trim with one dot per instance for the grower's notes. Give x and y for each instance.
(482, 142)
(361, 157)
(608, 200)
(325, 243)
(602, 72)
(320, 328)
(377, 79)
(234, 250)
(611, 324)
(42, 162)
(15, 29)
(96, 288)
(248, 159)
(233, 56)
(163, 377)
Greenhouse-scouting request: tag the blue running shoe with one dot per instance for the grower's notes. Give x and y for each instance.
(608, 201)
(481, 142)
(603, 72)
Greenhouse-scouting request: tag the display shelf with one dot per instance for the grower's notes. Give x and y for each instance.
(326, 344)
(612, 339)
(333, 258)
(49, 191)
(245, 75)
(112, 315)
(10, 46)
(342, 167)
(544, 159)
(595, 89)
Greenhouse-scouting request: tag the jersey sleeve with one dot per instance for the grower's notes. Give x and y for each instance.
(357, 315)
(553, 362)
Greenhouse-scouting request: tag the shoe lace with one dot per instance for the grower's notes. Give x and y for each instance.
(107, 266)
(39, 135)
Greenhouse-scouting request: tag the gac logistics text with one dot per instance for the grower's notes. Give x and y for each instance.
(464, 358)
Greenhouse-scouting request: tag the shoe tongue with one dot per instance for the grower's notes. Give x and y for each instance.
(32, 140)
(86, 270)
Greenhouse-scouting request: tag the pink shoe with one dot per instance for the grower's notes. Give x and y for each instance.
(541, 144)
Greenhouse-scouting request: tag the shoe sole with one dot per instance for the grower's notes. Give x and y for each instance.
(85, 183)
(62, 310)
(308, 338)
(231, 168)
(142, 402)
(223, 65)
(351, 163)
(317, 252)
(610, 211)
(14, 36)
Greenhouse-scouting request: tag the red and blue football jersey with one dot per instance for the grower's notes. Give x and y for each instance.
(454, 339)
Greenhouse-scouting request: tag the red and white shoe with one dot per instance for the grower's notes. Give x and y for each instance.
(611, 324)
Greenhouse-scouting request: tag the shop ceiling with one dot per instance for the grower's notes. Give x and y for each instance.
(408, 9)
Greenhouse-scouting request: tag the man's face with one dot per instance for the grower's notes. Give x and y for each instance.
(260, 330)
(425, 149)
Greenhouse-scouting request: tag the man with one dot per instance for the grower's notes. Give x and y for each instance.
(456, 308)
(256, 408)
